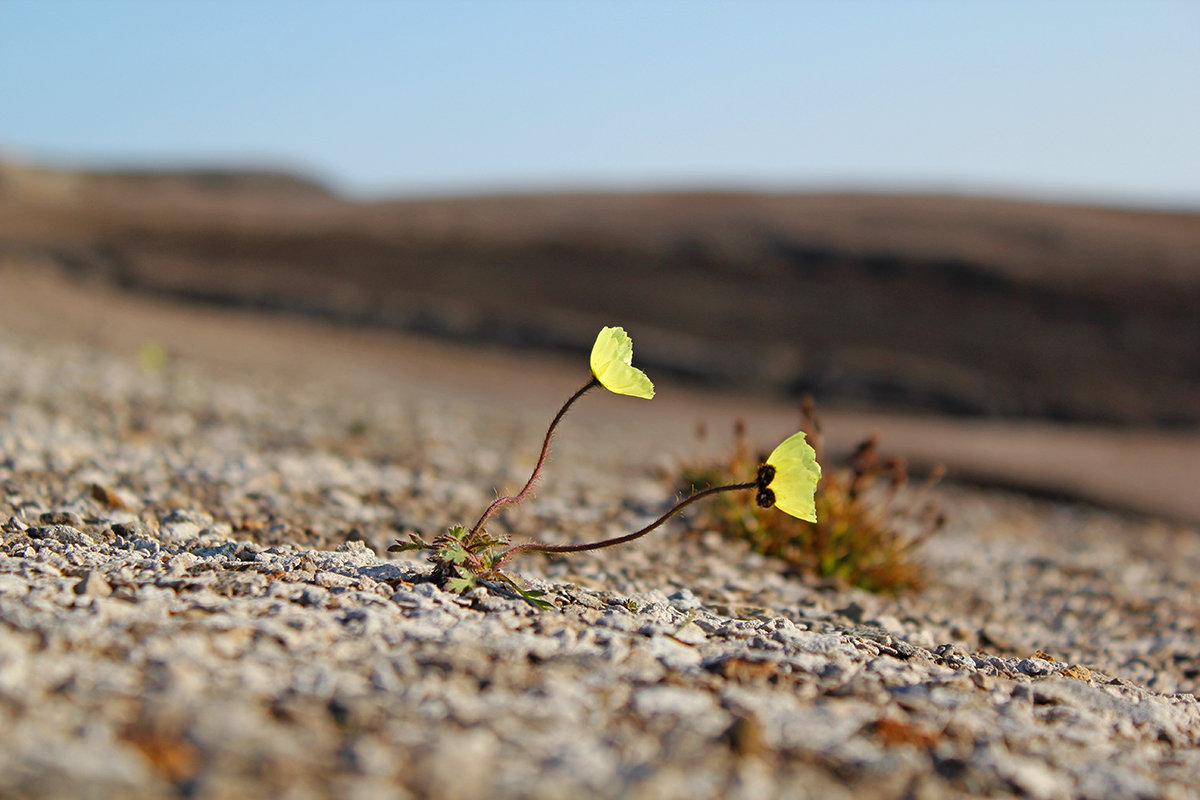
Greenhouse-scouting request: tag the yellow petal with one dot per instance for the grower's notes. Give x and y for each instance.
(796, 475)
(612, 364)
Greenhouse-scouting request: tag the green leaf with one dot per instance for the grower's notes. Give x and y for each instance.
(461, 585)
(528, 595)
(414, 542)
(454, 553)
(488, 543)
(531, 596)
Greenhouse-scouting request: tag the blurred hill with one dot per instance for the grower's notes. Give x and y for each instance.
(938, 303)
(26, 183)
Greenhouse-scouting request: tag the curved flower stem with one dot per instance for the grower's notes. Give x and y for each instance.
(535, 547)
(504, 501)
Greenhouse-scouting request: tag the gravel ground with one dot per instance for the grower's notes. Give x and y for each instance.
(195, 601)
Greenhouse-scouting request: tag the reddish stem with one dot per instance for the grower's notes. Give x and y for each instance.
(535, 547)
(504, 501)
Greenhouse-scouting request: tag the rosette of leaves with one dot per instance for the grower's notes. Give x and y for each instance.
(463, 559)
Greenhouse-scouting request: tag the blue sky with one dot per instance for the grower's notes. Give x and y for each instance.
(1094, 100)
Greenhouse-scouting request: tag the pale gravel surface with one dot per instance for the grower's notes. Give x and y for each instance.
(232, 630)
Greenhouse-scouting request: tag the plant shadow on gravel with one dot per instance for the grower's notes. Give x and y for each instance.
(869, 522)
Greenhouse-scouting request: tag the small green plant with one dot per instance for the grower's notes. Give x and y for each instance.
(463, 558)
(866, 527)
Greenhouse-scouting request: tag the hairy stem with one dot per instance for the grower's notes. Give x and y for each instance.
(535, 547)
(519, 496)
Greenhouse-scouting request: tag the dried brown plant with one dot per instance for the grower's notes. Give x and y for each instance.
(870, 522)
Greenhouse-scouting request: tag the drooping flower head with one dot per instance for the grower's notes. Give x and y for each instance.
(612, 364)
(789, 479)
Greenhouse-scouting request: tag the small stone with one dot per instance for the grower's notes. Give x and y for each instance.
(93, 585)
(949, 654)
(113, 499)
(329, 579)
(684, 600)
(181, 562)
(1035, 667)
(690, 633)
(179, 531)
(407, 599)
(61, 518)
(146, 545)
(387, 572)
(853, 612)
(428, 589)
(65, 534)
(225, 550)
(248, 551)
(1078, 672)
(129, 530)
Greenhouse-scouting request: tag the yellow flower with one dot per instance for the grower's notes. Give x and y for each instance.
(612, 364)
(789, 479)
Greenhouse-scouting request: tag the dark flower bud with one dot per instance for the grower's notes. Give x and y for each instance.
(765, 497)
(766, 474)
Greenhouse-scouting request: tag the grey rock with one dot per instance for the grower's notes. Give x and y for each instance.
(225, 550)
(386, 573)
(150, 546)
(853, 612)
(684, 600)
(1035, 667)
(59, 533)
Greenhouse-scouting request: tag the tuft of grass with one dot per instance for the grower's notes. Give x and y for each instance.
(869, 522)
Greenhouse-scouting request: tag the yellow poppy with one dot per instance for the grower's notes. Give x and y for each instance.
(789, 479)
(612, 364)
